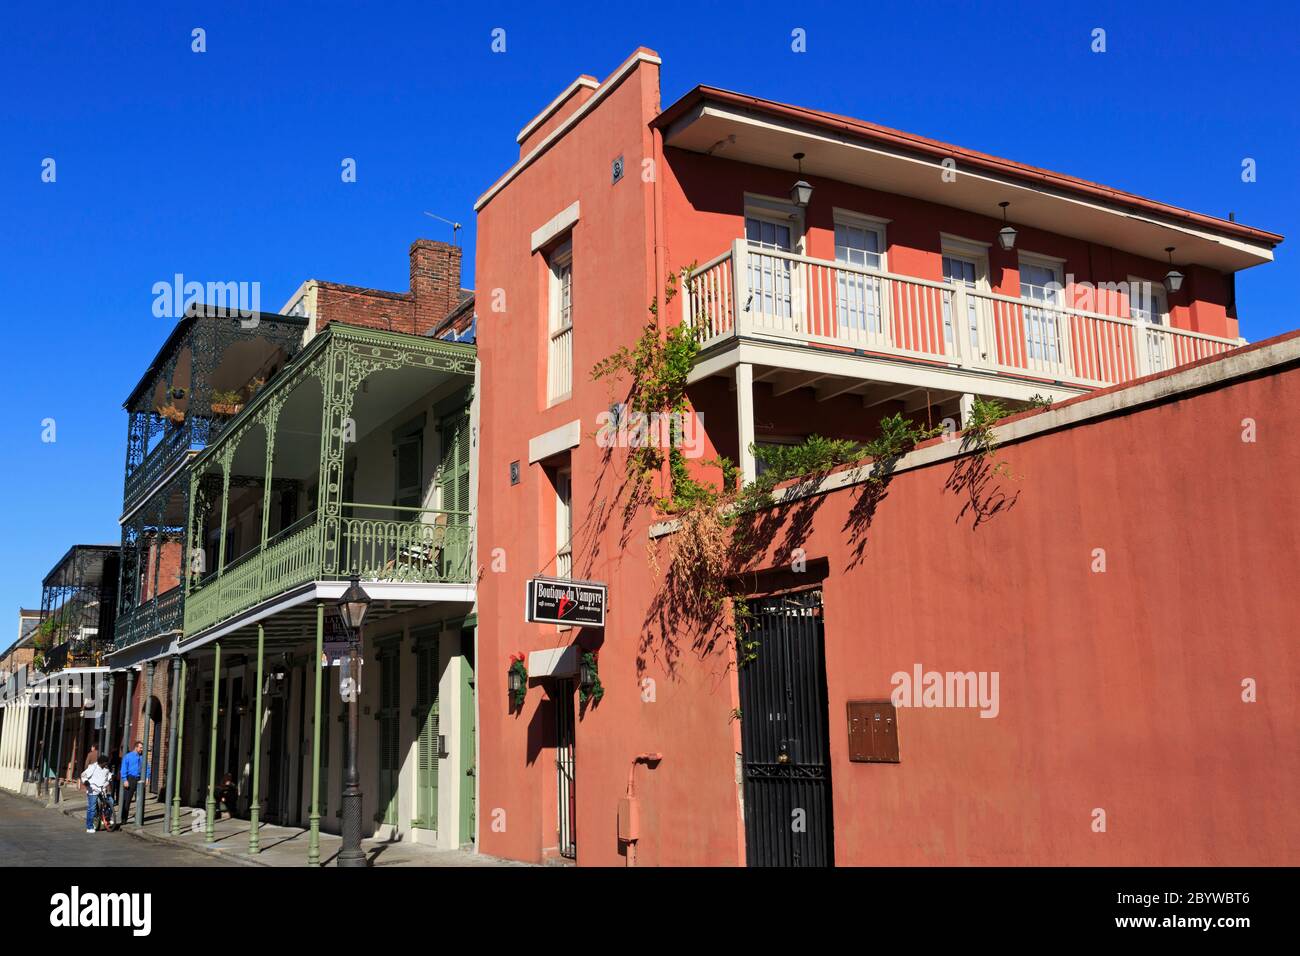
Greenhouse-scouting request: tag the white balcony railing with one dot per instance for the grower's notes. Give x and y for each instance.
(780, 295)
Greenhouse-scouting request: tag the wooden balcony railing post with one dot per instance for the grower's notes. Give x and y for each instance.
(1065, 333)
(1141, 351)
(740, 287)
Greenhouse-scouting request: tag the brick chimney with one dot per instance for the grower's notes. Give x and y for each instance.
(435, 282)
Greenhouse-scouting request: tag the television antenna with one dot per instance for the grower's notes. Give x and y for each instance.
(455, 227)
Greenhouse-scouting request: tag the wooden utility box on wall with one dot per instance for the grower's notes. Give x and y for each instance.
(873, 731)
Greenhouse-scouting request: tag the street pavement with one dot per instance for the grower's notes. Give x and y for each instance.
(31, 835)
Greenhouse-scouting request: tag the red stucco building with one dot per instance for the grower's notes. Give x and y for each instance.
(1117, 586)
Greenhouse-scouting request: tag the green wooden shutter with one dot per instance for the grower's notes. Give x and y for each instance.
(453, 482)
(426, 691)
(468, 757)
(389, 732)
(453, 475)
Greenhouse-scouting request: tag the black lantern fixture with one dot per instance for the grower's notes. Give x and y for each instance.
(801, 192)
(352, 607)
(1007, 234)
(586, 675)
(514, 680)
(1173, 278)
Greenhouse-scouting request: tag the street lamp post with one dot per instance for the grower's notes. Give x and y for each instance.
(352, 608)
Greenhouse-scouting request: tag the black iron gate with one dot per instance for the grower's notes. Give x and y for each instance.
(785, 736)
(566, 794)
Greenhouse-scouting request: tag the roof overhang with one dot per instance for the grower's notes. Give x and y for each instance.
(746, 129)
(293, 612)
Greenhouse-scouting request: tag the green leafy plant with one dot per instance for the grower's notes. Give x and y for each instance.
(898, 436)
(978, 433)
(657, 366)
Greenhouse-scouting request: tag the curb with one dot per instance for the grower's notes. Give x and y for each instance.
(171, 841)
(75, 811)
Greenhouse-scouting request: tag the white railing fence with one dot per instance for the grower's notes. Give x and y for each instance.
(771, 294)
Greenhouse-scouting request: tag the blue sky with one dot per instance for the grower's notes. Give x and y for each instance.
(225, 165)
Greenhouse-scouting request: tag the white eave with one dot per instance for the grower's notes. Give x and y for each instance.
(750, 136)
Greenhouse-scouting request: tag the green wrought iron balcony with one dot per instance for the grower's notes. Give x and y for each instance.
(355, 459)
(424, 546)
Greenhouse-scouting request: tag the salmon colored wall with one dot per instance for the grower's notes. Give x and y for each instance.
(704, 206)
(1118, 690)
(613, 267)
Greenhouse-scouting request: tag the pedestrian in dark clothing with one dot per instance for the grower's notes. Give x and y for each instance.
(132, 769)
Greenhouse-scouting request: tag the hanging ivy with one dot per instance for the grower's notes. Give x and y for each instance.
(715, 533)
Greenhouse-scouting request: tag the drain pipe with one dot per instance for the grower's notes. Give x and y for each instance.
(629, 810)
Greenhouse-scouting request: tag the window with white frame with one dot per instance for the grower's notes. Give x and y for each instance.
(559, 365)
(966, 269)
(1041, 283)
(771, 281)
(564, 522)
(1149, 304)
(859, 242)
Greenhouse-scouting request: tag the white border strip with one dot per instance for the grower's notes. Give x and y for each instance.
(582, 81)
(602, 91)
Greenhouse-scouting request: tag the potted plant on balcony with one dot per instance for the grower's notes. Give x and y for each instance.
(226, 402)
(171, 413)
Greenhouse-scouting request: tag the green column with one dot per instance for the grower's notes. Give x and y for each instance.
(127, 746)
(212, 746)
(225, 502)
(180, 748)
(146, 721)
(255, 808)
(313, 843)
(172, 762)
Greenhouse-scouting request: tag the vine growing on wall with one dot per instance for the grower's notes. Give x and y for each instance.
(717, 525)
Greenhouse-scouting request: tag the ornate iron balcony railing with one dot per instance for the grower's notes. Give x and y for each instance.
(162, 614)
(429, 546)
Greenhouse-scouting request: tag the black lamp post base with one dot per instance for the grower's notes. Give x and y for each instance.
(351, 854)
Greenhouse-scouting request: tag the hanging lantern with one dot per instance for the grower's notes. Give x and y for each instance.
(353, 605)
(801, 191)
(589, 685)
(1007, 234)
(517, 679)
(1173, 278)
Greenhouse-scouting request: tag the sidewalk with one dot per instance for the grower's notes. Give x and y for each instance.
(280, 846)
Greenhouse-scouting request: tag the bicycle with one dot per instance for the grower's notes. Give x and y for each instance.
(103, 812)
